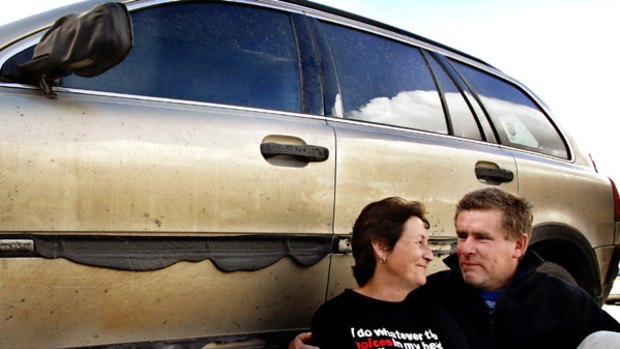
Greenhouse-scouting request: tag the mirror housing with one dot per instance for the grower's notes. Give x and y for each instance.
(86, 45)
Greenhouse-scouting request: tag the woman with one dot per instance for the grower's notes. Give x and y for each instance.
(391, 252)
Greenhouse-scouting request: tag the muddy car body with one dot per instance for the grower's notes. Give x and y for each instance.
(203, 190)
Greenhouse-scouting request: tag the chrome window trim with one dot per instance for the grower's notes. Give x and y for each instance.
(410, 130)
(541, 157)
(22, 37)
(326, 119)
(18, 46)
(184, 102)
(276, 5)
(451, 138)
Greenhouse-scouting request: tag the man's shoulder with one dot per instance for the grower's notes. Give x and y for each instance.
(558, 287)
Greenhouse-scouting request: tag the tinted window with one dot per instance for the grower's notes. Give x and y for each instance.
(210, 52)
(464, 123)
(384, 81)
(518, 120)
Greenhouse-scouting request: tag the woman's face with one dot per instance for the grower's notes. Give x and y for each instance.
(406, 263)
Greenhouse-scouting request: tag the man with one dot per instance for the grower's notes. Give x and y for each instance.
(494, 290)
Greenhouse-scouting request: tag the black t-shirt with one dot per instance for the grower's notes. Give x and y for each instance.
(354, 321)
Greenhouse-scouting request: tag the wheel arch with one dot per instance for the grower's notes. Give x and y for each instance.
(567, 247)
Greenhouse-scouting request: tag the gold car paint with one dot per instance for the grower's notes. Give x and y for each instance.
(100, 165)
(573, 197)
(57, 303)
(82, 163)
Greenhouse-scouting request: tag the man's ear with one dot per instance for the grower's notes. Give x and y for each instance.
(521, 246)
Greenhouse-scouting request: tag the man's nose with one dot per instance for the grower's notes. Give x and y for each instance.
(465, 246)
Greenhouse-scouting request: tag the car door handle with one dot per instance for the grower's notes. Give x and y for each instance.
(305, 152)
(494, 174)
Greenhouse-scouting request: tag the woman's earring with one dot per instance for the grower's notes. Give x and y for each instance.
(382, 260)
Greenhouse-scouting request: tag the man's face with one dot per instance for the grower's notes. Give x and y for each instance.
(488, 260)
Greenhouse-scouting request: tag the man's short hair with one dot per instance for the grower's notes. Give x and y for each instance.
(517, 212)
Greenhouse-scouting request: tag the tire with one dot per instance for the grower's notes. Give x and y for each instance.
(558, 271)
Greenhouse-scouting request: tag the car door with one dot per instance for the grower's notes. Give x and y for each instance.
(403, 128)
(553, 172)
(186, 193)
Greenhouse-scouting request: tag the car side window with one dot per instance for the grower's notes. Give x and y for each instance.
(211, 52)
(518, 121)
(464, 123)
(384, 81)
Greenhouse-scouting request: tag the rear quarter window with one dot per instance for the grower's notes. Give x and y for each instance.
(518, 121)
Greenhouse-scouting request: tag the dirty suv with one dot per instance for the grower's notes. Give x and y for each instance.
(189, 172)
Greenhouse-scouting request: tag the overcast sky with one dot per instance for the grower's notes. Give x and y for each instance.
(566, 51)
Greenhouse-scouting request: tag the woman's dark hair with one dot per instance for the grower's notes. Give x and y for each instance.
(382, 220)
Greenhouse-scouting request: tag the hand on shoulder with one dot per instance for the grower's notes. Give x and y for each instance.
(299, 342)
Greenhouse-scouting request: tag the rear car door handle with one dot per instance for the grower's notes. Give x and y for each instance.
(304, 152)
(494, 174)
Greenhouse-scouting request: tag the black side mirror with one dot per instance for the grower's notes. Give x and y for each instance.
(86, 45)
